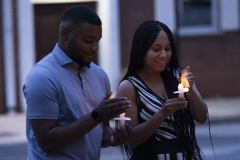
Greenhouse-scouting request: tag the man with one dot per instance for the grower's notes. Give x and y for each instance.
(68, 96)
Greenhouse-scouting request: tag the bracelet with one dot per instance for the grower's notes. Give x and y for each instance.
(109, 141)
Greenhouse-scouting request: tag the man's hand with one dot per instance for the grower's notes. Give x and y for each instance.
(110, 108)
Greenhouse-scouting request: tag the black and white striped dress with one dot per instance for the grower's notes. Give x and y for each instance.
(164, 143)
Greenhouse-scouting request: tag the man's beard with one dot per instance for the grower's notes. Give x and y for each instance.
(79, 60)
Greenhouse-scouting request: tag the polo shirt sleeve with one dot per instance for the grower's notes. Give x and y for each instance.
(41, 94)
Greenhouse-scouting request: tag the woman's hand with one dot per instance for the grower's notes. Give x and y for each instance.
(187, 78)
(120, 135)
(173, 105)
(198, 107)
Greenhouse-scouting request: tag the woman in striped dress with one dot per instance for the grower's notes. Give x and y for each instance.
(162, 123)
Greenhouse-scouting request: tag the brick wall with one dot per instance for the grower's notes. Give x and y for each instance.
(214, 60)
(132, 14)
(16, 53)
(2, 80)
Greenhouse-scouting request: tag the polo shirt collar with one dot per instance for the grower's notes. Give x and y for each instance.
(63, 58)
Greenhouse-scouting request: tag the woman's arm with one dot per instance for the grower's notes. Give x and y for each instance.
(149, 127)
(198, 107)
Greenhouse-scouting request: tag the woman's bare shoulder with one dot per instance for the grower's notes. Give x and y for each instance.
(125, 88)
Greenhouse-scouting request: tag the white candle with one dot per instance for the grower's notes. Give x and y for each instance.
(122, 119)
(181, 90)
(122, 115)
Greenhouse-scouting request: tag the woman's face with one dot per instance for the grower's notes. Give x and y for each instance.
(159, 53)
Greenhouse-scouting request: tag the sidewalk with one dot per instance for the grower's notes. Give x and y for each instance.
(223, 109)
(12, 127)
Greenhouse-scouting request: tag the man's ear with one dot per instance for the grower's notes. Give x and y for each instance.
(65, 33)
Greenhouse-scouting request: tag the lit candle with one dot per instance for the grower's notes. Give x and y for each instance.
(122, 119)
(181, 90)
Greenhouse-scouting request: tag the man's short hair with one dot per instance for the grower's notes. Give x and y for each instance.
(80, 13)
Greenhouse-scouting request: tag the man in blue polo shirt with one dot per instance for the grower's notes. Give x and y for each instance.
(68, 96)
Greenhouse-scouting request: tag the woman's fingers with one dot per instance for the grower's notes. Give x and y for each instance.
(175, 104)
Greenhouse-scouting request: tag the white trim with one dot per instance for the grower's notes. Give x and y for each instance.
(109, 50)
(59, 1)
(26, 43)
(10, 80)
(229, 15)
(164, 11)
(203, 29)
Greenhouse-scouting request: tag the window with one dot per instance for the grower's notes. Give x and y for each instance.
(197, 17)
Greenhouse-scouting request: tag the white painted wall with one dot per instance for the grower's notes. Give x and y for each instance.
(229, 15)
(26, 42)
(8, 56)
(164, 11)
(26, 49)
(109, 52)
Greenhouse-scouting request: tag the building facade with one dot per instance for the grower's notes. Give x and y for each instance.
(207, 34)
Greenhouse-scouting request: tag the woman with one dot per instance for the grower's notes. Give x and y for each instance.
(162, 123)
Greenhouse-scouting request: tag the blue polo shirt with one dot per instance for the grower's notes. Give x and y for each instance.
(56, 88)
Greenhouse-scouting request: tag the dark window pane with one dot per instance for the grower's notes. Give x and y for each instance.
(195, 12)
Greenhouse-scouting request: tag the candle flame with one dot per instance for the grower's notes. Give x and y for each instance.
(122, 115)
(181, 89)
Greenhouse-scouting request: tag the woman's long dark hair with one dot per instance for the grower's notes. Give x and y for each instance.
(143, 39)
